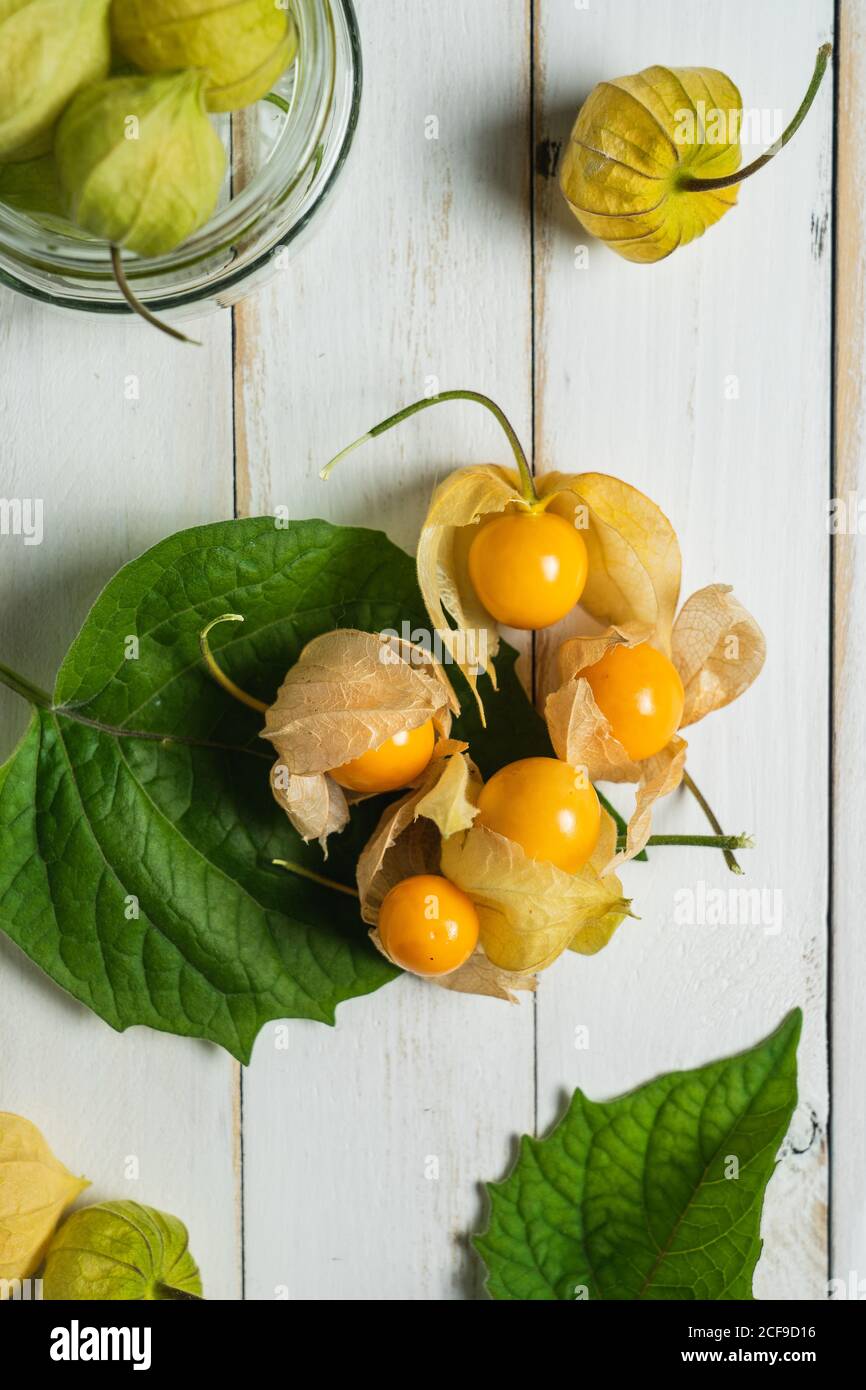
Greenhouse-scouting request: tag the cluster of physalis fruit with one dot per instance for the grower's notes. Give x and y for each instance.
(479, 885)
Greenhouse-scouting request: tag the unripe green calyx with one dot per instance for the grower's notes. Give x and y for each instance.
(49, 49)
(32, 187)
(121, 1251)
(244, 45)
(139, 162)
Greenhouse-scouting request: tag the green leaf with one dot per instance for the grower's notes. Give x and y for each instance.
(656, 1195)
(137, 827)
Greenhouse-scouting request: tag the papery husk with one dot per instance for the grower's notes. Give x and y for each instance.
(579, 732)
(707, 623)
(531, 911)
(244, 45)
(49, 50)
(480, 976)
(315, 804)
(628, 149)
(348, 692)
(660, 775)
(406, 841)
(634, 555)
(150, 193)
(582, 736)
(35, 1190)
(596, 934)
(464, 499)
(31, 188)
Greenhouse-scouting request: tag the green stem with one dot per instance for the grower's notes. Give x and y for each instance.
(315, 878)
(691, 184)
(219, 675)
(527, 485)
(725, 842)
(136, 305)
(276, 100)
(710, 814)
(24, 687)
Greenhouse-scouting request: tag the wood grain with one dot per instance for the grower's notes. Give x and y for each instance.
(706, 381)
(849, 651)
(635, 369)
(422, 272)
(125, 438)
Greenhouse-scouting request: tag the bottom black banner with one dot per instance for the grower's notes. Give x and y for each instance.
(159, 1337)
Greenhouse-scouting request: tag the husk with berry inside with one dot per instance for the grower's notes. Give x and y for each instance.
(529, 912)
(634, 559)
(717, 649)
(348, 692)
(408, 840)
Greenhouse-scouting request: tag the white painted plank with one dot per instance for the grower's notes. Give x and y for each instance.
(115, 474)
(849, 946)
(633, 367)
(422, 271)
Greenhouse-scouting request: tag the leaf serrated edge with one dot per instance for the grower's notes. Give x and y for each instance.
(790, 1028)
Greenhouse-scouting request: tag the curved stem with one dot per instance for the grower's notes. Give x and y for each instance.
(692, 184)
(136, 305)
(713, 820)
(276, 100)
(219, 675)
(726, 842)
(527, 485)
(315, 878)
(24, 687)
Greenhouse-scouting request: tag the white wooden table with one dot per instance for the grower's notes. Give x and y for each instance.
(707, 381)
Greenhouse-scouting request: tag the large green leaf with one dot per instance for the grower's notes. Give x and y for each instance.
(137, 827)
(656, 1195)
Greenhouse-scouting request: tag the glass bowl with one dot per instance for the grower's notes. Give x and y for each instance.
(285, 156)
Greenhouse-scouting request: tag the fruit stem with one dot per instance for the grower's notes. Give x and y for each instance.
(136, 305)
(714, 822)
(24, 687)
(695, 185)
(219, 675)
(276, 100)
(315, 878)
(527, 485)
(725, 842)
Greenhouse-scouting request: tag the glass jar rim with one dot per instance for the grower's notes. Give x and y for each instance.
(325, 27)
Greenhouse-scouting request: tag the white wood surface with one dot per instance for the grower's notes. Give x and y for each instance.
(423, 270)
(632, 370)
(115, 475)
